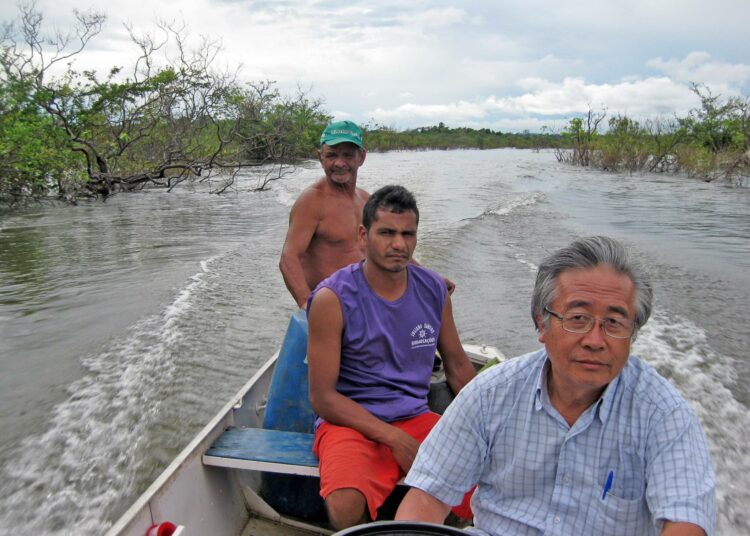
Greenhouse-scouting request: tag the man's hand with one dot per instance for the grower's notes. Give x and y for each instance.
(404, 448)
(325, 325)
(450, 284)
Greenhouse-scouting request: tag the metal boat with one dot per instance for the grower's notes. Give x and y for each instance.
(250, 470)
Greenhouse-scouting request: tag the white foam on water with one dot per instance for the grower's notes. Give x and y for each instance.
(66, 479)
(511, 204)
(521, 258)
(288, 190)
(285, 196)
(679, 350)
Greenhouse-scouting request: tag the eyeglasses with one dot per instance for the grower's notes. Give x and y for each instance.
(617, 328)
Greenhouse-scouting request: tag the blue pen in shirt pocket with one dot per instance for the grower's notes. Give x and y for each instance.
(608, 484)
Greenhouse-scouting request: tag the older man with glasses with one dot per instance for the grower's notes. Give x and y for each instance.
(580, 437)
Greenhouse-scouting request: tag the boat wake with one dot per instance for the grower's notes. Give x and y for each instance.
(510, 204)
(82, 471)
(679, 350)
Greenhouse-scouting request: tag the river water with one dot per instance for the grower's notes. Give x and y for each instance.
(125, 325)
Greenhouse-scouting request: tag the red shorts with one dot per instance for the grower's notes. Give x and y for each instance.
(350, 460)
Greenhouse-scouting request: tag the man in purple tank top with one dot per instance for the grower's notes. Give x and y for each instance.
(374, 327)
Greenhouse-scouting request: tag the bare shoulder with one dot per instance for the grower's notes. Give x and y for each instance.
(310, 200)
(324, 304)
(363, 195)
(312, 193)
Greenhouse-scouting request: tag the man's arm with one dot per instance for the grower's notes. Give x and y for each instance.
(681, 488)
(673, 528)
(325, 326)
(458, 369)
(303, 222)
(419, 505)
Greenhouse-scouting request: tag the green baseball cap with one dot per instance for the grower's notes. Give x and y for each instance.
(341, 132)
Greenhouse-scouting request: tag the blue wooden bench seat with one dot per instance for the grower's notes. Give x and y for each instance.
(258, 449)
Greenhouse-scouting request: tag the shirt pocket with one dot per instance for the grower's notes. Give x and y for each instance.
(614, 515)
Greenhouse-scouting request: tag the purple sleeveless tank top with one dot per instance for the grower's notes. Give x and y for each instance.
(388, 348)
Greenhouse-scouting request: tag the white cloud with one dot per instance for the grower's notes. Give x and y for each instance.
(700, 67)
(434, 19)
(454, 111)
(477, 62)
(544, 101)
(574, 95)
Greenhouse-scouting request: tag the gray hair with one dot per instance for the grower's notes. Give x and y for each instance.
(588, 253)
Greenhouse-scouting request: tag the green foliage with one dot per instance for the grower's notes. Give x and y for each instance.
(625, 147)
(711, 142)
(582, 134)
(383, 138)
(719, 126)
(171, 119)
(273, 127)
(34, 154)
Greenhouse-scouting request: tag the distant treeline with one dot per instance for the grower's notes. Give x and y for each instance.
(381, 138)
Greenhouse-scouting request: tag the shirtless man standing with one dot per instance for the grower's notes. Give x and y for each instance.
(325, 219)
(323, 233)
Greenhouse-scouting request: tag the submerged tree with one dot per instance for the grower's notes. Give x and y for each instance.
(711, 142)
(582, 133)
(173, 117)
(719, 131)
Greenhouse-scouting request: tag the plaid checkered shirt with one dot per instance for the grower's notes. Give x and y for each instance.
(538, 475)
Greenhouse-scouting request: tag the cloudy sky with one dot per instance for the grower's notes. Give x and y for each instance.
(498, 64)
